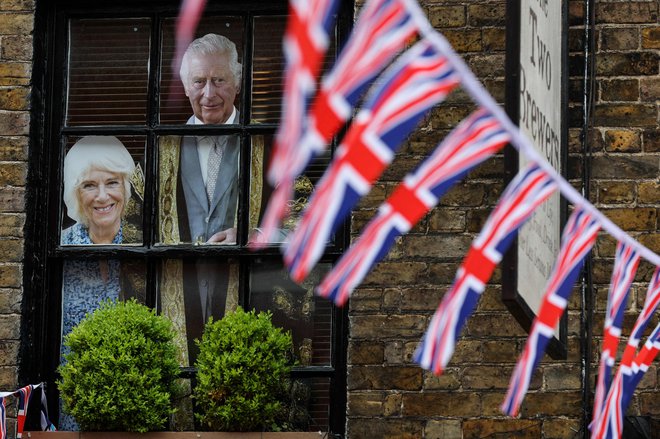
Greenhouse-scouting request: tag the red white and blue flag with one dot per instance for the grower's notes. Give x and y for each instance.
(24, 395)
(472, 142)
(306, 41)
(623, 274)
(419, 79)
(641, 364)
(531, 187)
(186, 23)
(3, 418)
(383, 29)
(608, 423)
(630, 373)
(578, 238)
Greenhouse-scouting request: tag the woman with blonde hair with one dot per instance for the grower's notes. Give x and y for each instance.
(97, 187)
(97, 172)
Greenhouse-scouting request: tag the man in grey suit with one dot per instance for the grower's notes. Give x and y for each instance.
(208, 177)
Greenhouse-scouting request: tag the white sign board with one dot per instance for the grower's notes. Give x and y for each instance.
(540, 109)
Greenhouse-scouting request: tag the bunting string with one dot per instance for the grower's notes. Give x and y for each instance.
(415, 81)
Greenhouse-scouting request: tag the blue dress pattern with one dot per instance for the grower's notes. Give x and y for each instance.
(83, 289)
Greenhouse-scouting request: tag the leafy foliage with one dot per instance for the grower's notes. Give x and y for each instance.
(120, 372)
(243, 367)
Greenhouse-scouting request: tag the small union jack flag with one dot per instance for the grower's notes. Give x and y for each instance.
(472, 142)
(383, 29)
(421, 78)
(607, 423)
(186, 23)
(630, 373)
(578, 238)
(3, 418)
(531, 187)
(625, 267)
(24, 395)
(305, 43)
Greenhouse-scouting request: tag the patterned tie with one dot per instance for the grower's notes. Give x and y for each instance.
(215, 158)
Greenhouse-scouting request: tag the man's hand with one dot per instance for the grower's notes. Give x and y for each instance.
(225, 237)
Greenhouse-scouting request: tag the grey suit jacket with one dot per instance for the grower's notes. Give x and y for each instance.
(203, 219)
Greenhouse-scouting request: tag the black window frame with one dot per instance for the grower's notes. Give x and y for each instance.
(44, 255)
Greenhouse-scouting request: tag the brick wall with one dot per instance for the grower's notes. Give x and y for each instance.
(626, 155)
(388, 395)
(16, 23)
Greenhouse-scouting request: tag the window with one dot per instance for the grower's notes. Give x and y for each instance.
(122, 160)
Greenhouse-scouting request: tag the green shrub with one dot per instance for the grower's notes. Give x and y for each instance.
(120, 372)
(242, 373)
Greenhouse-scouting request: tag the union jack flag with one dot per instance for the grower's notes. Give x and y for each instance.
(628, 376)
(305, 43)
(578, 237)
(631, 369)
(531, 187)
(3, 418)
(419, 79)
(186, 23)
(472, 142)
(641, 363)
(384, 28)
(23, 401)
(625, 267)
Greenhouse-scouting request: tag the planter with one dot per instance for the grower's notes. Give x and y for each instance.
(172, 435)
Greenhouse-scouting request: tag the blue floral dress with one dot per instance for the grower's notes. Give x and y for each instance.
(84, 287)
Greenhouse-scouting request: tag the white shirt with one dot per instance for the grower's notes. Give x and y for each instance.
(204, 145)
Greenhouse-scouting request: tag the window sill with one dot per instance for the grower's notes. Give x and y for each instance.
(173, 435)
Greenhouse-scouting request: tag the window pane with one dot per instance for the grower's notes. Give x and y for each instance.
(108, 71)
(268, 68)
(86, 283)
(310, 402)
(175, 106)
(103, 183)
(260, 190)
(295, 308)
(187, 211)
(191, 291)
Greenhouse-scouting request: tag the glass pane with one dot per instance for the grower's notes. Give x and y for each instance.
(191, 291)
(175, 106)
(310, 403)
(103, 190)
(295, 308)
(268, 68)
(190, 169)
(108, 71)
(86, 283)
(261, 191)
